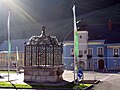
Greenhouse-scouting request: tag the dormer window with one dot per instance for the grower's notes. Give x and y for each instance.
(116, 52)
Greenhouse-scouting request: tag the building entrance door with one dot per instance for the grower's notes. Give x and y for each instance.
(101, 64)
(81, 65)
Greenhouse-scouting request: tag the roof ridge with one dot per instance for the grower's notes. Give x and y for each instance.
(68, 34)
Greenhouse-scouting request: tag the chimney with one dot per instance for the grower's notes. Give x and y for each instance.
(110, 24)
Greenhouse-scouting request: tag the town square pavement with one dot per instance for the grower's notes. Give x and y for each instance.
(109, 81)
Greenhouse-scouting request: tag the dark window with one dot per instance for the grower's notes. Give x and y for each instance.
(100, 51)
(80, 36)
(90, 51)
(80, 52)
(89, 64)
(72, 51)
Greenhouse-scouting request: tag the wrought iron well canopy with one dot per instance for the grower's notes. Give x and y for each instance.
(43, 50)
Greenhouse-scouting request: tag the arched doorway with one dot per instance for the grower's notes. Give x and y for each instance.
(81, 65)
(101, 64)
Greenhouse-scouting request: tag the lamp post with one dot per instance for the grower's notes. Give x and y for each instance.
(9, 43)
(17, 58)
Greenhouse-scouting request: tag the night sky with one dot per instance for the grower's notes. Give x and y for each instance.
(27, 16)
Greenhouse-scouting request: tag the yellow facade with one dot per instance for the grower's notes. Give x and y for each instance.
(13, 60)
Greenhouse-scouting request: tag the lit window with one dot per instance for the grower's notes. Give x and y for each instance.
(71, 64)
(72, 51)
(116, 51)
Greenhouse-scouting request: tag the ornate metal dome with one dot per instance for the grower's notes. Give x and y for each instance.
(43, 39)
(43, 59)
(43, 50)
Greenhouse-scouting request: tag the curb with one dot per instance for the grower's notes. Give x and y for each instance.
(88, 82)
(87, 88)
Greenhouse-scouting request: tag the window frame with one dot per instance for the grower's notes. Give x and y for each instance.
(80, 36)
(80, 52)
(114, 51)
(72, 51)
(91, 51)
(102, 53)
(21, 56)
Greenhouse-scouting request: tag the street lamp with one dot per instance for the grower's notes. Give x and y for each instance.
(17, 58)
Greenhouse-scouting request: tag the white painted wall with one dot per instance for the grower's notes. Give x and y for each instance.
(83, 45)
(83, 41)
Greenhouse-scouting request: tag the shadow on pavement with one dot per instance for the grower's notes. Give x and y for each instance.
(1, 77)
(13, 85)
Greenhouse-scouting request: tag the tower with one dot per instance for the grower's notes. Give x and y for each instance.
(83, 45)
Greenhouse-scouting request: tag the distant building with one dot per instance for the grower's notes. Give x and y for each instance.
(99, 48)
(4, 54)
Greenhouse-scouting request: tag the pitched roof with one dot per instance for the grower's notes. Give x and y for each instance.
(100, 32)
(15, 43)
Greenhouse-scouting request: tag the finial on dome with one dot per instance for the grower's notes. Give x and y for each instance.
(43, 30)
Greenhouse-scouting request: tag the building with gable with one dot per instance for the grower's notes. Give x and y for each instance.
(4, 54)
(99, 47)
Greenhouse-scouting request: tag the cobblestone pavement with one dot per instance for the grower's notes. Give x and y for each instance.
(14, 78)
(109, 81)
(88, 75)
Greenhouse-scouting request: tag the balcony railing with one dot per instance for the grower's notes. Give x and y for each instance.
(100, 55)
(116, 55)
(80, 56)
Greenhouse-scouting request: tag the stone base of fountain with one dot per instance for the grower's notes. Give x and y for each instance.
(43, 74)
